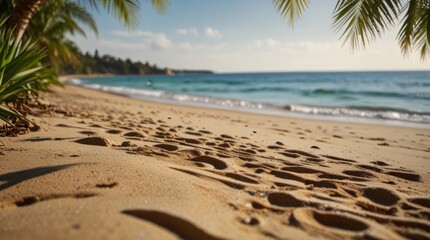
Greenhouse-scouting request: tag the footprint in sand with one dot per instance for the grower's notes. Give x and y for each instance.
(96, 141)
(231, 184)
(381, 196)
(193, 133)
(371, 168)
(96, 126)
(405, 175)
(358, 173)
(255, 166)
(216, 163)
(315, 160)
(284, 200)
(343, 225)
(290, 155)
(327, 175)
(242, 178)
(178, 226)
(134, 134)
(205, 132)
(225, 136)
(128, 144)
(252, 221)
(106, 185)
(301, 170)
(190, 153)
(288, 176)
(340, 159)
(67, 126)
(189, 140)
(422, 201)
(167, 147)
(26, 201)
(380, 163)
(274, 147)
(303, 153)
(114, 131)
(324, 184)
(88, 133)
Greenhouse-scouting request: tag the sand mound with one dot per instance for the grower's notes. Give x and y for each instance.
(96, 141)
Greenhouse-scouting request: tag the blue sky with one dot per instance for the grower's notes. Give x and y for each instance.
(242, 36)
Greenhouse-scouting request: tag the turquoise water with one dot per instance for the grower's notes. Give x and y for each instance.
(398, 96)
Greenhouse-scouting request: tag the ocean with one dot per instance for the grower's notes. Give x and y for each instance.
(388, 97)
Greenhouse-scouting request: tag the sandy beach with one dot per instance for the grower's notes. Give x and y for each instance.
(103, 166)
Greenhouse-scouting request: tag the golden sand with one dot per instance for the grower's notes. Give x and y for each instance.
(109, 167)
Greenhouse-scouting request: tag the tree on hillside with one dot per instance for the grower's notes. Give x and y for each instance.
(362, 21)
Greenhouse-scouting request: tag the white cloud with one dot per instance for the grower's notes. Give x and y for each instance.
(187, 31)
(208, 32)
(132, 34)
(212, 33)
(160, 41)
(268, 42)
(265, 54)
(128, 46)
(186, 45)
(156, 41)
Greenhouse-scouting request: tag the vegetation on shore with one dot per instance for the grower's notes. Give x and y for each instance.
(22, 77)
(108, 64)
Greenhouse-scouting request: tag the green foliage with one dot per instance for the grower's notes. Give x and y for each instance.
(160, 5)
(362, 21)
(50, 25)
(125, 11)
(291, 9)
(415, 30)
(21, 74)
(108, 64)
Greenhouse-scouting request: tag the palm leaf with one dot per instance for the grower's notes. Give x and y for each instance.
(291, 9)
(126, 11)
(78, 13)
(160, 5)
(21, 72)
(362, 21)
(415, 29)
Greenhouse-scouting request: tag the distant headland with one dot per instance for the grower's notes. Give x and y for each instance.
(108, 64)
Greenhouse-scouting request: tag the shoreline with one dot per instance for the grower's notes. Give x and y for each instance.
(113, 167)
(65, 78)
(269, 112)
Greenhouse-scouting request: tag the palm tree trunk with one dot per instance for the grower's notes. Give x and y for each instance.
(21, 15)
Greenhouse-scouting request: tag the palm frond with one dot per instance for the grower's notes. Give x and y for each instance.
(126, 11)
(53, 22)
(415, 29)
(160, 5)
(75, 11)
(291, 9)
(21, 74)
(362, 21)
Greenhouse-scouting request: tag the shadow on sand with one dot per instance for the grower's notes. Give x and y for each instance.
(14, 178)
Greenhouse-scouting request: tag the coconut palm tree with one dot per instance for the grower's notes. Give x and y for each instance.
(360, 22)
(51, 24)
(125, 11)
